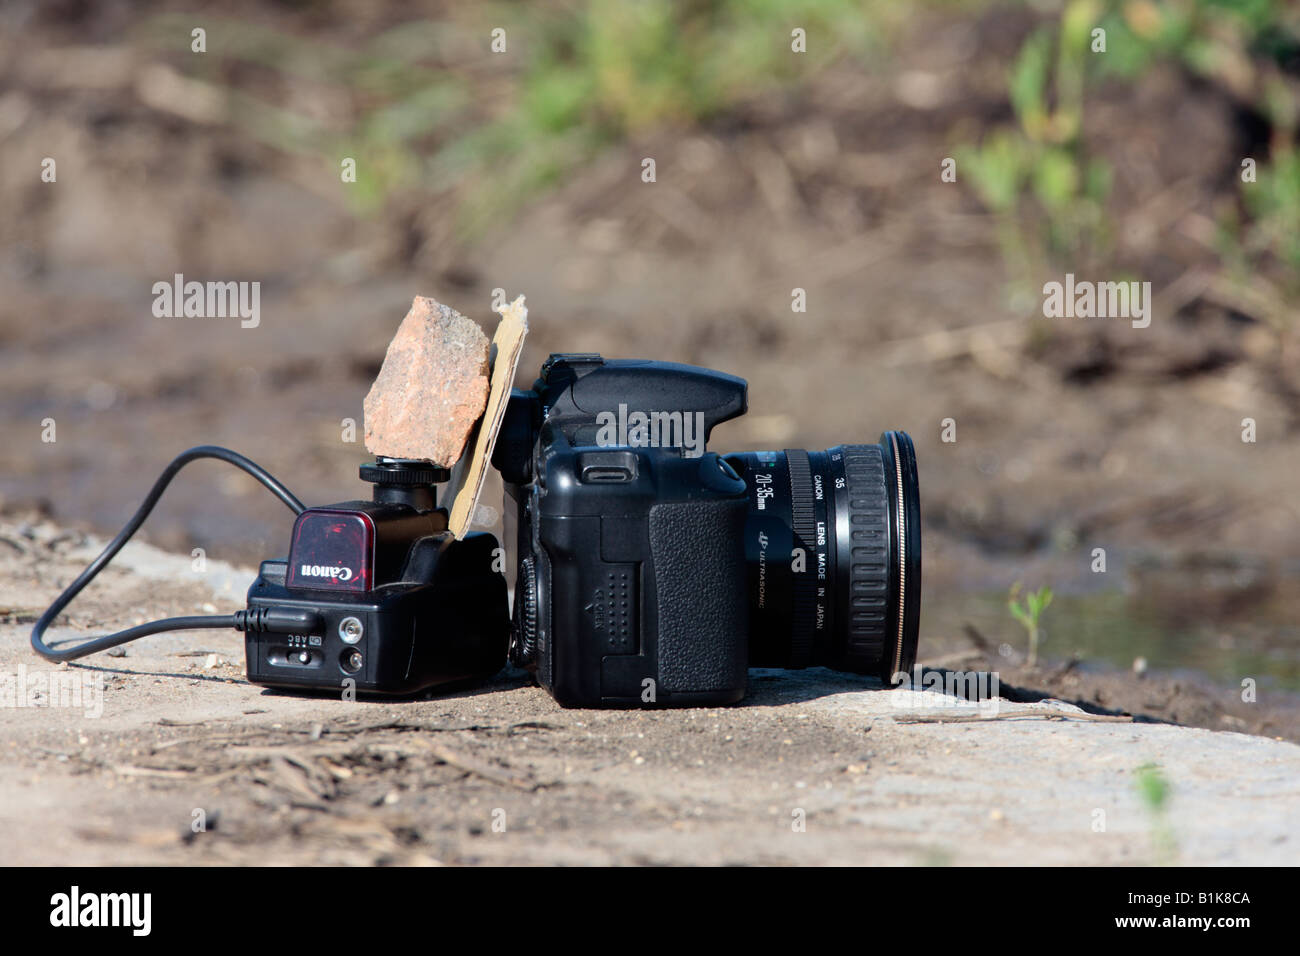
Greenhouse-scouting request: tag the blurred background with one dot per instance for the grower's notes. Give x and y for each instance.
(775, 171)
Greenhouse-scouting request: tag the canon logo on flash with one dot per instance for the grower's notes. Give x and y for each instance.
(322, 571)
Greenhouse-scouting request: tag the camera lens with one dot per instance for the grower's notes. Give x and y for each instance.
(833, 556)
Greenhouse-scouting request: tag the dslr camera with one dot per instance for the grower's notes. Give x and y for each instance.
(651, 572)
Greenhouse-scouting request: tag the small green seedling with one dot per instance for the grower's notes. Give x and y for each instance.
(1152, 787)
(1154, 791)
(1028, 613)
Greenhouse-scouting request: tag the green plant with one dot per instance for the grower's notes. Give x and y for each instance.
(1222, 40)
(1261, 250)
(1037, 177)
(427, 105)
(1155, 792)
(1048, 194)
(608, 71)
(1028, 614)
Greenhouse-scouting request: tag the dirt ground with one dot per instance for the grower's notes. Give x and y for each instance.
(170, 756)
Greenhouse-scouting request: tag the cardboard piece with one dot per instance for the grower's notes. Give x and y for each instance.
(466, 482)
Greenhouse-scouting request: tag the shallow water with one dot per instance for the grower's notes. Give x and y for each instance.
(1259, 639)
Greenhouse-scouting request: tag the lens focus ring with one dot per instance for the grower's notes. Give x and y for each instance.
(867, 492)
(803, 521)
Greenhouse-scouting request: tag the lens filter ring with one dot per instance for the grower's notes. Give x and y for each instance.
(905, 507)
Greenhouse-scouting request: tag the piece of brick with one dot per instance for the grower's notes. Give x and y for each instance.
(431, 389)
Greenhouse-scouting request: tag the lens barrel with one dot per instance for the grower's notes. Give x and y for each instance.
(833, 555)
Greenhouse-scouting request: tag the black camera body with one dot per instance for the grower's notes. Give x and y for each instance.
(378, 597)
(631, 585)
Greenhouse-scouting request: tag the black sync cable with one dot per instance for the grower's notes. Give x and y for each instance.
(280, 619)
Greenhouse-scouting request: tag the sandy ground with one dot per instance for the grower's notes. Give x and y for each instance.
(813, 768)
